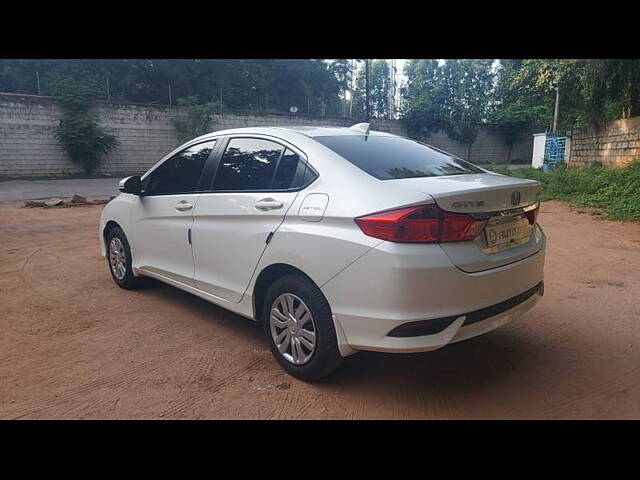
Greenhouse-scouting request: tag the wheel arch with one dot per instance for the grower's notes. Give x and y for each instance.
(110, 225)
(265, 279)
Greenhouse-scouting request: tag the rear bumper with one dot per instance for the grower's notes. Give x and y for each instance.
(457, 331)
(394, 284)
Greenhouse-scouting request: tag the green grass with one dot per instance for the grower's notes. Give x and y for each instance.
(616, 192)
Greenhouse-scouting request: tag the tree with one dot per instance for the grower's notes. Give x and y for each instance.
(512, 114)
(236, 83)
(422, 98)
(379, 84)
(453, 97)
(513, 121)
(342, 71)
(591, 91)
(534, 83)
(469, 84)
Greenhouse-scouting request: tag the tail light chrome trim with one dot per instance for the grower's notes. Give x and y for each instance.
(506, 213)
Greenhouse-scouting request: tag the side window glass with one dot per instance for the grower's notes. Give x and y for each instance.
(309, 176)
(288, 171)
(247, 164)
(180, 173)
(304, 175)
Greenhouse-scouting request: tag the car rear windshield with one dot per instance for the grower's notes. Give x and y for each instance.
(388, 158)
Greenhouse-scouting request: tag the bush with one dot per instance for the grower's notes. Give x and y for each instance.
(79, 130)
(615, 191)
(197, 119)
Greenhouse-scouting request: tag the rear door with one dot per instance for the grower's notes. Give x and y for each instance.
(163, 214)
(256, 180)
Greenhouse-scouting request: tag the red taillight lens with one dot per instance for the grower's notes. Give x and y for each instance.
(414, 224)
(532, 215)
(457, 227)
(421, 224)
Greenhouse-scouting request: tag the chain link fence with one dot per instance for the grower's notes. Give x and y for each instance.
(238, 99)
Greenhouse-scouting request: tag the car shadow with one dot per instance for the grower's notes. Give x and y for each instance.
(209, 312)
(500, 357)
(475, 365)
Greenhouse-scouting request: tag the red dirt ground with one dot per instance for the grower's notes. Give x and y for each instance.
(73, 345)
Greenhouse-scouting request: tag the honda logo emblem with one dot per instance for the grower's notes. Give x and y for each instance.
(515, 199)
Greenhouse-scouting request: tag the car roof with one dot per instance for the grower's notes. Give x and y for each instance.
(313, 131)
(307, 130)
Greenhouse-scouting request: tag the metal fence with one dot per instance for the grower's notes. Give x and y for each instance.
(250, 100)
(554, 150)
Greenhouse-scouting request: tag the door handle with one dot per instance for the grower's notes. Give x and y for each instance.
(268, 204)
(183, 206)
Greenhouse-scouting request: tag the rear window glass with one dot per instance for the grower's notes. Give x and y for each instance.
(388, 158)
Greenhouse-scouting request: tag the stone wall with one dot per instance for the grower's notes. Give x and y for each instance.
(614, 145)
(28, 146)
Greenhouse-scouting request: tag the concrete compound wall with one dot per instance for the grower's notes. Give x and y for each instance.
(614, 145)
(28, 145)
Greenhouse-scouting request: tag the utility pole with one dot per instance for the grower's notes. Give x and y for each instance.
(38, 81)
(556, 110)
(391, 99)
(366, 88)
(108, 92)
(169, 94)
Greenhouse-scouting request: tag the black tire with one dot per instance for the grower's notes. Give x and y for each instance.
(326, 358)
(129, 281)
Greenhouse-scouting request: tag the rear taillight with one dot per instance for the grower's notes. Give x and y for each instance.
(532, 215)
(421, 224)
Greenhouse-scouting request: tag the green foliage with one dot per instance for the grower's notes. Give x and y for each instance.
(513, 122)
(196, 119)
(615, 191)
(79, 130)
(453, 97)
(341, 70)
(591, 91)
(379, 85)
(240, 84)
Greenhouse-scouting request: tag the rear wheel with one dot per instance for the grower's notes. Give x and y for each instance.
(119, 260)
(299, 325)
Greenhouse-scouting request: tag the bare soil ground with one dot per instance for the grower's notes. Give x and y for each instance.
(73, 345)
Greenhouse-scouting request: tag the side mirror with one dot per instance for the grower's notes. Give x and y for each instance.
(130, 185)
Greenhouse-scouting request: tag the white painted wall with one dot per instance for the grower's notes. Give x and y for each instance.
(538, 149)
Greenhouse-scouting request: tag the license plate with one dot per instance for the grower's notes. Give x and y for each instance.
(508, 234)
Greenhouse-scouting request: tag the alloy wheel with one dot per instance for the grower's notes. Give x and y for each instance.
(117, 258)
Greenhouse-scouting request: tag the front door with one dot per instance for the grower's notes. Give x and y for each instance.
(163, 214)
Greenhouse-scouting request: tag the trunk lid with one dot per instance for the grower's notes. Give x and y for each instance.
(502, 200)
(476, 193)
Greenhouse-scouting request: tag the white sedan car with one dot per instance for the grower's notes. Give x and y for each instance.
(336, 239)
